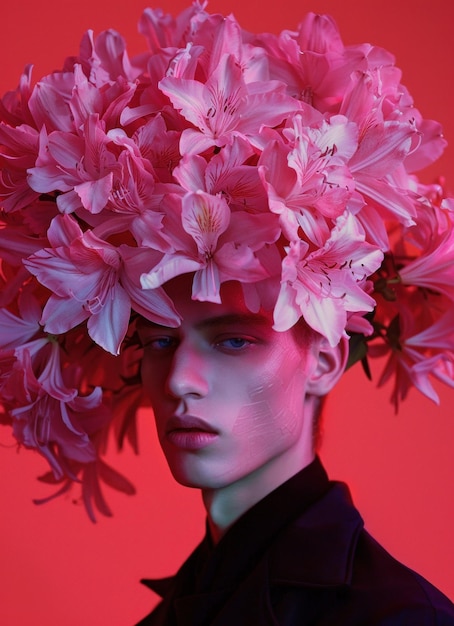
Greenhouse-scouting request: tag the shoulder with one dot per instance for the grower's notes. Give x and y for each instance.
(327, 565)
(399, 594)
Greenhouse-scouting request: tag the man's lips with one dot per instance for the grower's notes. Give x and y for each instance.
(189, 423)
(190, 433)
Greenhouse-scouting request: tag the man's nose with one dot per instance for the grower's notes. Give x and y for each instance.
(187, 375)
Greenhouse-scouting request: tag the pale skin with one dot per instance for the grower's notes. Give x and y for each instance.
(233, 399)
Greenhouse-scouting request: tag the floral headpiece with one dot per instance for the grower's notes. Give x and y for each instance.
(283, 162)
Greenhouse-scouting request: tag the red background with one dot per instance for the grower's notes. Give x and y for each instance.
(58, 568)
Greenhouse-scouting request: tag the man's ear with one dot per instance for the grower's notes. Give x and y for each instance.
(331, 362)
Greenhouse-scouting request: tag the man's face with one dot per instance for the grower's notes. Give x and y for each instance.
(228, 392)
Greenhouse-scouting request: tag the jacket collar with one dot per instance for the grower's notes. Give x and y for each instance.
(310, 523)
(318, 548)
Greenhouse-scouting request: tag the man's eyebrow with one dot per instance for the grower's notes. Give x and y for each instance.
(228, 319)
(232, 319)
(145, 323)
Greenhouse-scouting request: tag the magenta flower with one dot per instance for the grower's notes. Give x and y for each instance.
(314, 63)
(307, 180)
(14, 109)
(385, 143)
(424, 349)
(104, 101)
(49, 102)
(105, 58)
(433, 269)
(225, 106)
(155, 305)
(135, 202)
(439, 335)
(17, 330)
(164, 31)
(215, 244)
(324, 285)
(17, 238)
(382, 149)
(56, 415)
(83, 273)
(19, 152)
(228, 174)
(80, 166)
(158, 145)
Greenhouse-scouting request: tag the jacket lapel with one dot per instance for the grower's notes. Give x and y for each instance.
(318, 549)
(303, 566)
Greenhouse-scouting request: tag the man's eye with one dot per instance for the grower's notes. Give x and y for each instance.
(234, 343)
(160, 343)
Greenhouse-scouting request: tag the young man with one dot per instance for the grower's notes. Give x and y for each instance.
(235, 403)
(252, 199)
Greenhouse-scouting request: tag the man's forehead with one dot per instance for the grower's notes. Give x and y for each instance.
(231, 310)
(227, 319)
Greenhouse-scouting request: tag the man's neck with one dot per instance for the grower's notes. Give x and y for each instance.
(224, 506)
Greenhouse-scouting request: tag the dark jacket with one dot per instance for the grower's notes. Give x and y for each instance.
(299, 557)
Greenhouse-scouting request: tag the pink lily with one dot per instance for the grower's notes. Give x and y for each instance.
(82, 272)
(308, 178)
(16, 330)
(19, 152)
(49, 102)
(14, 109)
(106, 58)
(57, 416)
(383, 146)
(419, 352)
(433, 269)
(314, 63)
(226, 173)
(85, 274)
(324, 285)
(21, 236)
(225, 106)
(79, 166)
(106, 101)
(164, 31)
(212, 242)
